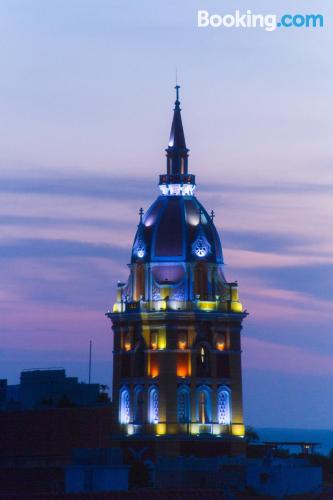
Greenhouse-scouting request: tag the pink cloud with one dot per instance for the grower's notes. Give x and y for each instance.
(263, 355)
(38, 328)
(247, 258)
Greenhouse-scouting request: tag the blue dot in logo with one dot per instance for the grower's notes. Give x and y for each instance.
(279, 25)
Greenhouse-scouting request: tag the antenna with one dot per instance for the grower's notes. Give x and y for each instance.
(90, 349)
(177, 87)
(141, 212)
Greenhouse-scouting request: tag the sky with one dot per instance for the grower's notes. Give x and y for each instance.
(86, 99)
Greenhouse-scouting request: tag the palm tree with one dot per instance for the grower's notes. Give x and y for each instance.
(251, 434)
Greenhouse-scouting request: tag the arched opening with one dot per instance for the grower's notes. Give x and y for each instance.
(220, 342)
(138, 405)
(183, 405)
(204, 407)
(139, 361)
(224, 406)
(200, 281)
(139, 282)
(153, 406)
(125, 364)
(125, 406)
(203, 361)
(127, 342)
(182, 340)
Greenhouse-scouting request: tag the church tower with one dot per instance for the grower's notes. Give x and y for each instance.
(177, 320)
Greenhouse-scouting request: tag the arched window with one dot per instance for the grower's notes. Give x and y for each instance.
(200, 281)
(203, 405)
(153, 408)
(220, 342)
(203, 362)
(138, 405)
(223, 406)
(183, 405)
(125, 406)
(139, 361)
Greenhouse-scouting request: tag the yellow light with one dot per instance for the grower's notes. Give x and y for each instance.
(207, 305)
(153, 345)
(234, 293)
(127, 346)
(118, 307)
(236, 307)
(216, 430)
(182, 365)
(220, 345)
(195, 429)
(130, 429)
(181, 371)
(182, 344)
(161, 340)
(238, 430)
(160, 429)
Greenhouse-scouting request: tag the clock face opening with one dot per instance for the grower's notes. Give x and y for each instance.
(140, 252)
(200, 249)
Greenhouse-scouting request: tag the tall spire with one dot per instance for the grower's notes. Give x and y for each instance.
(177, 144)
(177, 180)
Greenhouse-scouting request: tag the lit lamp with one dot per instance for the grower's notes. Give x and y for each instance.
(127, 346)
(220, 343)
(182, 344)
(181, 371)
(182, 340)
(127, 342)
(153, 342)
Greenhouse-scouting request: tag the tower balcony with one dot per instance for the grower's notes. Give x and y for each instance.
(168, 305)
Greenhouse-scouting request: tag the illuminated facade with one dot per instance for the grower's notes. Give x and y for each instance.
(177, 321)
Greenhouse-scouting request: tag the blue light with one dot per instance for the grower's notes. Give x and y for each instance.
(140, 252)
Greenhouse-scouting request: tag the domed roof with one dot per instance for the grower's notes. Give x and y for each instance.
(177, 228)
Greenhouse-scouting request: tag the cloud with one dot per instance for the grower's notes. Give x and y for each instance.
(90, 186)
(270, 356)
(263, 242)
(101, 186)
(43, 248)
(313, 278)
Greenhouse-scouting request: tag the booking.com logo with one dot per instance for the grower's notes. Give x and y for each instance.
(270, 22)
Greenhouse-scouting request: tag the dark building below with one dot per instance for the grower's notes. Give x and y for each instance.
(49, 388)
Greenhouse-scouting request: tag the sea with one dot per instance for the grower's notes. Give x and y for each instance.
(322, 436)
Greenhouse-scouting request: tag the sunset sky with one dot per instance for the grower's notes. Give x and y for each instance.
(86, 99)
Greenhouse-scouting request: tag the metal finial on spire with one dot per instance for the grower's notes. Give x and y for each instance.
(141, 212)
(177, 87)
(212, 215)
